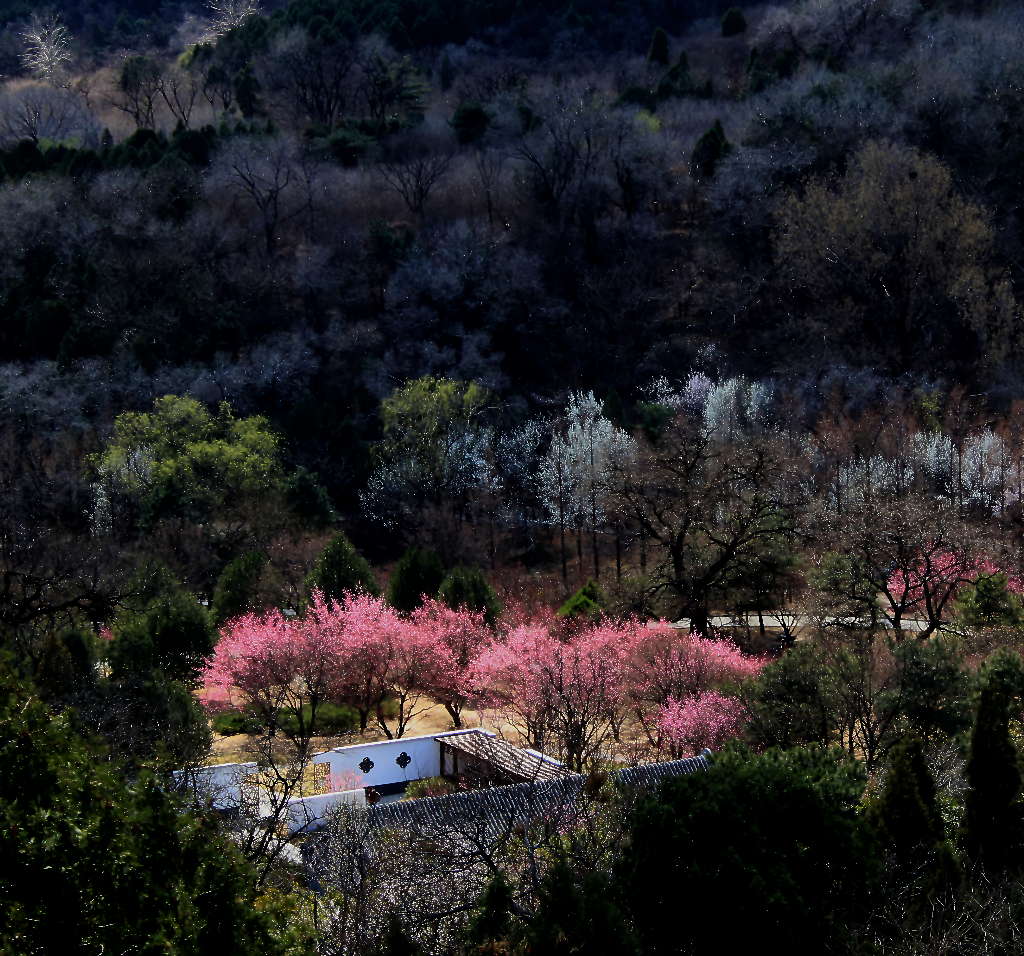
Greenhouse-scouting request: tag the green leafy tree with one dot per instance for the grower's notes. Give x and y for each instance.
(171, 633)
(148, 720)
(932, 689)
(789, 704)
(308, 499)
(65, 664)
(577, 915)
(237, 589)
(491, 924)
(418, 572)
(340, 569)
(1004, 671)
(179, 460)
(145, 708)
(94, 865)
(468, 588)
(587, 602)
(761, 847)
(433, 452)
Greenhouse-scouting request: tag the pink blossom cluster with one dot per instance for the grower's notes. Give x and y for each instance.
(707, 719)
(943, 571)
(358, 650)
(564, 690)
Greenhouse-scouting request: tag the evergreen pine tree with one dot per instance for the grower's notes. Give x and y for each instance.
(658, 52)
(395, 941)
(577, 915)
(993, 805)
(92, 864)
(340, 569)
(906, 813)
(711, 149)
(587, 602)
(237, 586)
(419, 572)
(468, 588)
(491, 925)
(733, 22)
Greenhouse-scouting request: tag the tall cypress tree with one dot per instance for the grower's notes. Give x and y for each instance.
(419, 572)
(994, 811)
(340, 569)
(906, 813)
(658, 52)
(237, 587)
(468, 588)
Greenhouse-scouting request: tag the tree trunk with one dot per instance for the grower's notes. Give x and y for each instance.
(456, 715)
(565, 560)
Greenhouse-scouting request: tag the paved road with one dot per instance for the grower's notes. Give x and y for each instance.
(778, 621)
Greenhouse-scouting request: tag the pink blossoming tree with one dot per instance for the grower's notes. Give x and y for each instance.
(663, 664)
(281, 671)
(458, 638)
(562, 696)
(708, 719)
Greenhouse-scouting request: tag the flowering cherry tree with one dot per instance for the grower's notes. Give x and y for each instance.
(456, 638)
(935, 578)
(558, 695)
(382, 658)
(565, 690)
(663, 663)
(361, 627)
(279, 670)
(708, 719)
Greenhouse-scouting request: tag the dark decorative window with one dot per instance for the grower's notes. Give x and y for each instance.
(403, 760)
(367, 765)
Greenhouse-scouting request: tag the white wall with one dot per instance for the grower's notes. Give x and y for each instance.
(219, 786)
(307, 813)
(424, 751)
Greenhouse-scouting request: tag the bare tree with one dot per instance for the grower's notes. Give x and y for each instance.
(562, 150)
(37, 112)
(138, 88)
(269, 177)
(414, 179)
(179, 89)
(489, 165)
(313, 77)
(710, 507)
(390, 89)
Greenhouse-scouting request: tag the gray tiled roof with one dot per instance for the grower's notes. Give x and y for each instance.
(519, 800)
(514, 762)
(474, 818)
